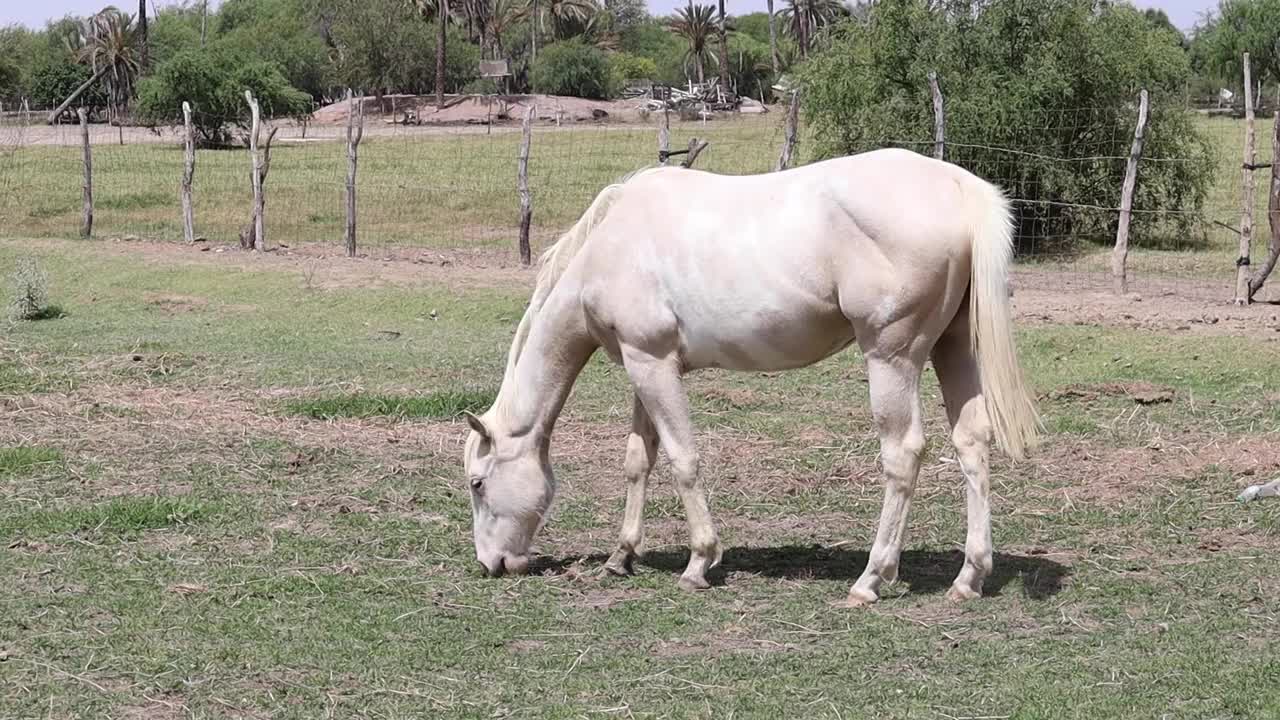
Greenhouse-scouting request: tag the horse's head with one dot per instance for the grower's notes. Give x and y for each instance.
(511, 490)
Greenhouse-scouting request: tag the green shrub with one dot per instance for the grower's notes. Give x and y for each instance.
(1041, 99)
(572, 68)
(624, 66)
(29, 292)
(214, 81)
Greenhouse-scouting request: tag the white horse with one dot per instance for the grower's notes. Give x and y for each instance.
(765, 272)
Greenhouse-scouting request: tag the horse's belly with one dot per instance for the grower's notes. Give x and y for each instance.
(763, 340)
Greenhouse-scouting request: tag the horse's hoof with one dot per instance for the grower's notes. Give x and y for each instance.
(962, 593)
(858, 598)
(620, 564)
(693, 583)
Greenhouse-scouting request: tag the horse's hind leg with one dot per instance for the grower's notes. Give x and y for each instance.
(895, 403)
(957, 368)
(657, 382)
(642, 451)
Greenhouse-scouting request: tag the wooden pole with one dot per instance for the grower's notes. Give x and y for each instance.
(1120, 255)
(1246, 213)
(789, 133)
(86, 225)
(939, 118)
(355, 133)
(522, 184)
(188, 175)
(664, 134)
(695, 147)
(1273, 212)
(259, 240)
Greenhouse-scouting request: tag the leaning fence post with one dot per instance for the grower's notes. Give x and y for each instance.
(939, 118)
(664, 135)
(258, 226)
(695, 147)
(790, 133)
(1246, 213)
(188, 174)
(1273, 212)
(1120, 255)
(355, 133)
(522, 184)
(86, 226)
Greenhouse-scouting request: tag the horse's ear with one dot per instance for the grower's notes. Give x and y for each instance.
(478, 425)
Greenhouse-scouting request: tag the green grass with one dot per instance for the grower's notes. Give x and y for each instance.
(26, 459)
(197, 551)
(446, 404)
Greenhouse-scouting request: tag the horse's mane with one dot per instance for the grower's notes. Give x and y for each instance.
(551, 267)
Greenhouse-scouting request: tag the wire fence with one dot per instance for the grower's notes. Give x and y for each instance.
(424, 188)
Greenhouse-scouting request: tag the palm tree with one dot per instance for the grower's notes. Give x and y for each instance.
(566, 17)
(773, 40)
(695, 25)
(108, 43)
(805, 18)
(142, 33)
(439, 9)
(723, 60)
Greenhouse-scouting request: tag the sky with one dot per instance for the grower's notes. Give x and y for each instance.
(34, 13)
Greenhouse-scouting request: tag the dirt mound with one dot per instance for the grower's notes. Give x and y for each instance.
(478, 109)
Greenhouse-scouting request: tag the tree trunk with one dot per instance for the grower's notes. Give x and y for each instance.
(53, 116)
(442, 20)
(204, 16)
(1246, 213)
(144, 57)
(724, 55)
(773, 43)
(533, 34)
(1120, 255)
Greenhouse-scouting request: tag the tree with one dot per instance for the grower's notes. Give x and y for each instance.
(572, 68)
(773, 40)
(1238, 27)
(806, 18)
(1045, 79)
(213, 80)
(565, 17)
(438, 9)
(107, 42)
(722, 60)
(693, 23)
(143, 50)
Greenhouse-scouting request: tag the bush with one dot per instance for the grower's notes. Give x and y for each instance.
(572, 68)
(29, 292)
(214, 82)
(624, 66)
(1056, 81)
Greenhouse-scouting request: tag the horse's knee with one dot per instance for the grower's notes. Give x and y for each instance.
(639, 460)
(901, 455)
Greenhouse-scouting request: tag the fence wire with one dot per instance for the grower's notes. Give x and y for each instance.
(422, 188)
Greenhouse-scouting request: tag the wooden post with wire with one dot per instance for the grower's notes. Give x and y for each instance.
(1273, 213)
(664, 134)
(522, 185)
(1120, 255)
(939, 118)
(790, 133)
(258, 235)
(188, 175)
(355, 133)
(1246, 213)
(86, 224)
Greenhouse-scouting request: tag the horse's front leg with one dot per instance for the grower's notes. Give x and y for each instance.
(642, 452)
(658, 387)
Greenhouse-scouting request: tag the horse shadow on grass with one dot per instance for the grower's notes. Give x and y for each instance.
(925, 572)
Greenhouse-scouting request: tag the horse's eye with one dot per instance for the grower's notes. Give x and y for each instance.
(477, 484)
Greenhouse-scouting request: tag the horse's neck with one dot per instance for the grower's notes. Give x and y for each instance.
(554, 354)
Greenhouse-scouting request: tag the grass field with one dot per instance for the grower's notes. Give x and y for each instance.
(232, 488)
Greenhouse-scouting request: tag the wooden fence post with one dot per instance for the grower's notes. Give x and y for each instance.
(355, 133)
(1120, 255)
(664, 135)
(522, 184)
(86, 226)
(258, 226)
(188, 175)
(790, 133)
(939, 118)
(1246, 213)
(1273, 212)
(695, 147)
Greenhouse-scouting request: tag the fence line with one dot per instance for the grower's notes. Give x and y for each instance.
(457, 187)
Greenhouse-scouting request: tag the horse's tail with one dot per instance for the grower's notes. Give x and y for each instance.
(1009, 404)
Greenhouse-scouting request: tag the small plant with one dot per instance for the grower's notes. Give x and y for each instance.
(29, 292)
